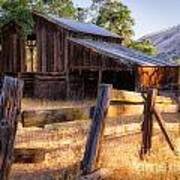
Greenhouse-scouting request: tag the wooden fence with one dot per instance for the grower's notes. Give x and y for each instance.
(10, 105)
(107, 95)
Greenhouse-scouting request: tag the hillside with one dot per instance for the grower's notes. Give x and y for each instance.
(167, 42)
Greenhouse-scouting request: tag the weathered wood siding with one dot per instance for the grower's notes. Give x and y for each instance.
(13, 50)
(50, 46)
(158, 76)
(84, 58)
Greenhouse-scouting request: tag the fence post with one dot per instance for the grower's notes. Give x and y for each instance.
(10, 107)
(94, 141)
(147, 124)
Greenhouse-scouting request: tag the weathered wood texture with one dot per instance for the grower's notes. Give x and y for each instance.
(10, 100)
(40, 118)
(137, 98)
(94, 141)
(158, 77)
(147, 124)
(13, 49)
(28, 78)
(24, 155)
(151, 109)
(50, 87)
(90, 59)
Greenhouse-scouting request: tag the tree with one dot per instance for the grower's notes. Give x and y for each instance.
(19, 12)
(63, 8)
(116, 17)
(145, 46)
(81, 14)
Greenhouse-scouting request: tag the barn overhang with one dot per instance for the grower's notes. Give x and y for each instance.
(122, 55)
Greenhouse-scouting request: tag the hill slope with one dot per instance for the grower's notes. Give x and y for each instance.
(167, 42)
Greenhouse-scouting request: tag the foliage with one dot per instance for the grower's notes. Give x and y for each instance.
(116, 17)
(19, 12)
(63, 8)
(176, 59)
(81, 14)
(110, 14)
(145, 46)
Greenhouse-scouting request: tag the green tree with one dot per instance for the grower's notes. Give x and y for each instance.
(145, 46)
(81, 14)
(64, 8)
(19, 12)
(116, 17)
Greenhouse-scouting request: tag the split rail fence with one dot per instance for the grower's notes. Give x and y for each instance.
(106, 96)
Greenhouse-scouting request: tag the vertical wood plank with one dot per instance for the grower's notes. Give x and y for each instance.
(10, 100)
(94, 141)
(147, 124)
(44, 57)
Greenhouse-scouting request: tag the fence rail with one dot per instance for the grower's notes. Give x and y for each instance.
(105, 96)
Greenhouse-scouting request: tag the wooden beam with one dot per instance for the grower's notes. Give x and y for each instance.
(44, 50)
(147, 124)
(94, 141)
(38, 118)
(134, 97)
(160, 122)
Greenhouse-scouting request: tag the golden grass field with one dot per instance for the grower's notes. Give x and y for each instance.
(119, 158)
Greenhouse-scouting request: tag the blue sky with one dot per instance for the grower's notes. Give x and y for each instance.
(150, 15)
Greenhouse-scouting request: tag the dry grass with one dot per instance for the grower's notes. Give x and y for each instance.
(65, 145)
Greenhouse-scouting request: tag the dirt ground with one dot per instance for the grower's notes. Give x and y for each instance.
(65, 142)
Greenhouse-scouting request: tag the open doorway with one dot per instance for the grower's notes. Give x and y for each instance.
(120, 80)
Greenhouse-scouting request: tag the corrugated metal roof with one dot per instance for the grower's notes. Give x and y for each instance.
(77, 26)
(122, 54)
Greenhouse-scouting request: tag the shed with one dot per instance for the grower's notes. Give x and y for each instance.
(66, 58)
(125, 68)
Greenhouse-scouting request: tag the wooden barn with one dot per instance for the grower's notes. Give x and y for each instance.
(65, 58)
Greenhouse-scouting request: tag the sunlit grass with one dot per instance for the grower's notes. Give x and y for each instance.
(65, 146)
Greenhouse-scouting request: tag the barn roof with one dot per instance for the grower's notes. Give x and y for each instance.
(77, 26)
(122, 54)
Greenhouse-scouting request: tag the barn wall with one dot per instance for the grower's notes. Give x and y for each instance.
(88, 68)
(85, 58)
(159, 77)
(13, 50)
(49, 87)
(50, 46)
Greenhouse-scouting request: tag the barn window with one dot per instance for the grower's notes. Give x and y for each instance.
(31, 57)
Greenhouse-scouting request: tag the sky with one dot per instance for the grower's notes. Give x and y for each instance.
(150, 15)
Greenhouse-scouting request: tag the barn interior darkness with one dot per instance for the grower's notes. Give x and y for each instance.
(120, 80)
(83, 82)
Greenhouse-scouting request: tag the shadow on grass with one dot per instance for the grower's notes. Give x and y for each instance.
(68, 173)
